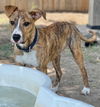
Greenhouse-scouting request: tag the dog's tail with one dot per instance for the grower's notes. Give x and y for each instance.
(91, 39)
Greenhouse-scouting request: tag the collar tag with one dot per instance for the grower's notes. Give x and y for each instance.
(29, 49)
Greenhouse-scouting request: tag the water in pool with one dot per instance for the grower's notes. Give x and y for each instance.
(15, 97)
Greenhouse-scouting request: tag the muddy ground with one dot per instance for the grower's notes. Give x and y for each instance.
(71, 83)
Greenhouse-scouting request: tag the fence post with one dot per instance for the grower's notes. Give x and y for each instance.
(94, 14)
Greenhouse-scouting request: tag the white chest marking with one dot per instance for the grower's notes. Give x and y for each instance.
(28, 58)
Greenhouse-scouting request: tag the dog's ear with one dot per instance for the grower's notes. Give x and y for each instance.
(37, 13)
(9, 10)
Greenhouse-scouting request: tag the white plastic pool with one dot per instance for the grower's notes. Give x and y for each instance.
(36, 83)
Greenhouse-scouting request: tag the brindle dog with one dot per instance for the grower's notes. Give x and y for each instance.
(39, 46)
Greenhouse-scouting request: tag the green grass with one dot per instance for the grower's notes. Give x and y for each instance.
(5, 50)
(92, 53)
(5, 46)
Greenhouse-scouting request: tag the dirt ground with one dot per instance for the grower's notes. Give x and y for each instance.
(71, 83)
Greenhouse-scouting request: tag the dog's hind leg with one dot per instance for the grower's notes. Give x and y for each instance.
(75, 47)
(56, 65)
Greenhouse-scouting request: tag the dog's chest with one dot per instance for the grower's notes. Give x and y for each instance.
(29, 58)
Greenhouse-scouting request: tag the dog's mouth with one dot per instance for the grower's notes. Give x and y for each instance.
(18, 42)
(22, 42)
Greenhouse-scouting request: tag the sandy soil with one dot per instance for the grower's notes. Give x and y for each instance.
(71, 83)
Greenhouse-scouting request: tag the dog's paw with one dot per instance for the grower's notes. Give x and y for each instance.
(55, 88)
(85, 91)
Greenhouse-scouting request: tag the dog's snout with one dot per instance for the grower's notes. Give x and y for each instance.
(16, 37)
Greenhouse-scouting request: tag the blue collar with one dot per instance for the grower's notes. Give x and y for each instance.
(27, 49)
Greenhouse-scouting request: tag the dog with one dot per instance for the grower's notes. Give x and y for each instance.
(39, 46)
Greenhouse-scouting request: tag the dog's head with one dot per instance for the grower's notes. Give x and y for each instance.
(22, 23)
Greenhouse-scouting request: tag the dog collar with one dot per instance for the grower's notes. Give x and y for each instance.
(28, 49)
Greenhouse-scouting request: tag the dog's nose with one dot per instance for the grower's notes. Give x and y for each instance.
(16, 37)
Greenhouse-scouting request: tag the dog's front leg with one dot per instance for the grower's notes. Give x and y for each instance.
(56, 65)
(42, 68)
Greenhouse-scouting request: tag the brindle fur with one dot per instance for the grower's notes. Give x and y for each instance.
(52, 40)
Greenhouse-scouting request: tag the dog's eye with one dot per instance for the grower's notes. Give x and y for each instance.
(26, 23)
(12, 22)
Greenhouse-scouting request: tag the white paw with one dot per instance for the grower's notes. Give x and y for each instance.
(55, 89)
(98, 59)
(85, 91)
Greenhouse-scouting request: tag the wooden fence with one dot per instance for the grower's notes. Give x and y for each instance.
(49, 5)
